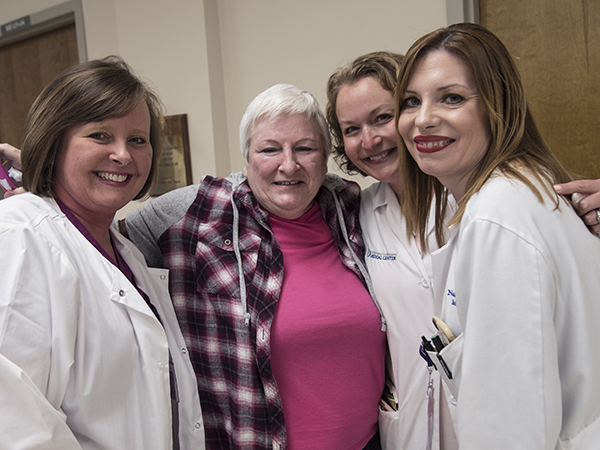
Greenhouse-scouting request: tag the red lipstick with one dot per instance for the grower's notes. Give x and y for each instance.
(432, 144)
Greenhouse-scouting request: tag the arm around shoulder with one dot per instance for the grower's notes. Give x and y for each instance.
(144, 226)
(585, 196)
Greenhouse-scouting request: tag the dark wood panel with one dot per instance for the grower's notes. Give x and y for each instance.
(26, 67)
(557, 46)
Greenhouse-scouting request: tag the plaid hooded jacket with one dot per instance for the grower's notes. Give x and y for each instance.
(226, 275)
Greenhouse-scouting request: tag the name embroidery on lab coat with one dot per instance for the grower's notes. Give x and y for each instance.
(452, 296)
(381, 256)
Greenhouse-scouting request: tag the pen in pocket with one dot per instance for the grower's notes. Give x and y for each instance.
(442, 327)
(439, 346)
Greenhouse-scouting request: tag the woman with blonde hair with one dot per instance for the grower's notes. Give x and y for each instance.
(517, 282)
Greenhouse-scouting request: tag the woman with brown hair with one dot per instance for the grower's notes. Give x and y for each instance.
(360, 112)
(91, 355)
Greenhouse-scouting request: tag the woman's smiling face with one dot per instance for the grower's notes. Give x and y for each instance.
(365, 112)
(286, 164)
(443, 121)
(101, 166)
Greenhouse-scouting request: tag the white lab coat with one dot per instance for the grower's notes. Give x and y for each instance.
(522, 294)
(402, 281)
(84, 362)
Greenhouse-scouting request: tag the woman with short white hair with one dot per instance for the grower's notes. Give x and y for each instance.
(269, 283)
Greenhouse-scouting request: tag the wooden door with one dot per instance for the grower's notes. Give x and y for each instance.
(557, 47)
(26, 67)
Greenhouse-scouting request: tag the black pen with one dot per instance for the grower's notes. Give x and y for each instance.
(444, 366)
(427, 345)
(437, 341)
(439, 345)
(426, 357)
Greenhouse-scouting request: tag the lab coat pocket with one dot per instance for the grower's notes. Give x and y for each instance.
(389, 428)
(449, 364)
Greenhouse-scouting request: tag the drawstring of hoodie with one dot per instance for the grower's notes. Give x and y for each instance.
(238, 256)
(236, 249)
(358, 262)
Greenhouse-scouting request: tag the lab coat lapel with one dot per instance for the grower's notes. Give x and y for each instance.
(398, 227)
(124, 292)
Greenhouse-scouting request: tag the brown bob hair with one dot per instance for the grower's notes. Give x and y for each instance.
(87, 92)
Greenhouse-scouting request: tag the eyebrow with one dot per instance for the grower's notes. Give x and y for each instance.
(379, 109)
(103, 125)
(276, 142)
(443, 88)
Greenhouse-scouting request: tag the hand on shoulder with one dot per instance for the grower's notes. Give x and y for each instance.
(585, 195)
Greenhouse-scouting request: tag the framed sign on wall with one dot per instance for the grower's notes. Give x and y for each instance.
(174, 167)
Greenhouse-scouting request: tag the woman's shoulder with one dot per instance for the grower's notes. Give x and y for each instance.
(333, 181)
(377, 194)
(346, 191)
(36, 223)
(506, 193)
(28, 208)
(516, 207)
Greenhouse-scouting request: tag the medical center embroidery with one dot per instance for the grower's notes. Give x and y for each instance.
(381, 256)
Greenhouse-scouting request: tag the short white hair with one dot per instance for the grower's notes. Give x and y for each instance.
(282, 99)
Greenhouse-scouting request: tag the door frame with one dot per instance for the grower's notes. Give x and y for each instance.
(458, 11)
(70, 12)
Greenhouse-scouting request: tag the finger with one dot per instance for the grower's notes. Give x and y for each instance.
(12, 154)
(587, 203)
(12, 192)
(592, 219)
(580, 186)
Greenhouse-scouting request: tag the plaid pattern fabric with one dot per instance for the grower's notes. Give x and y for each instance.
(240, 400)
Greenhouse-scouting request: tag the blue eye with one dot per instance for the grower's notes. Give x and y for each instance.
(410, 102)
(349, 130)
(97, 136)
(453, 99)
(385, 117)
(138, 140)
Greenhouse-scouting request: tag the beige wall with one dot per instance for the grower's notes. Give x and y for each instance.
(302, 42)
(209, 58)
